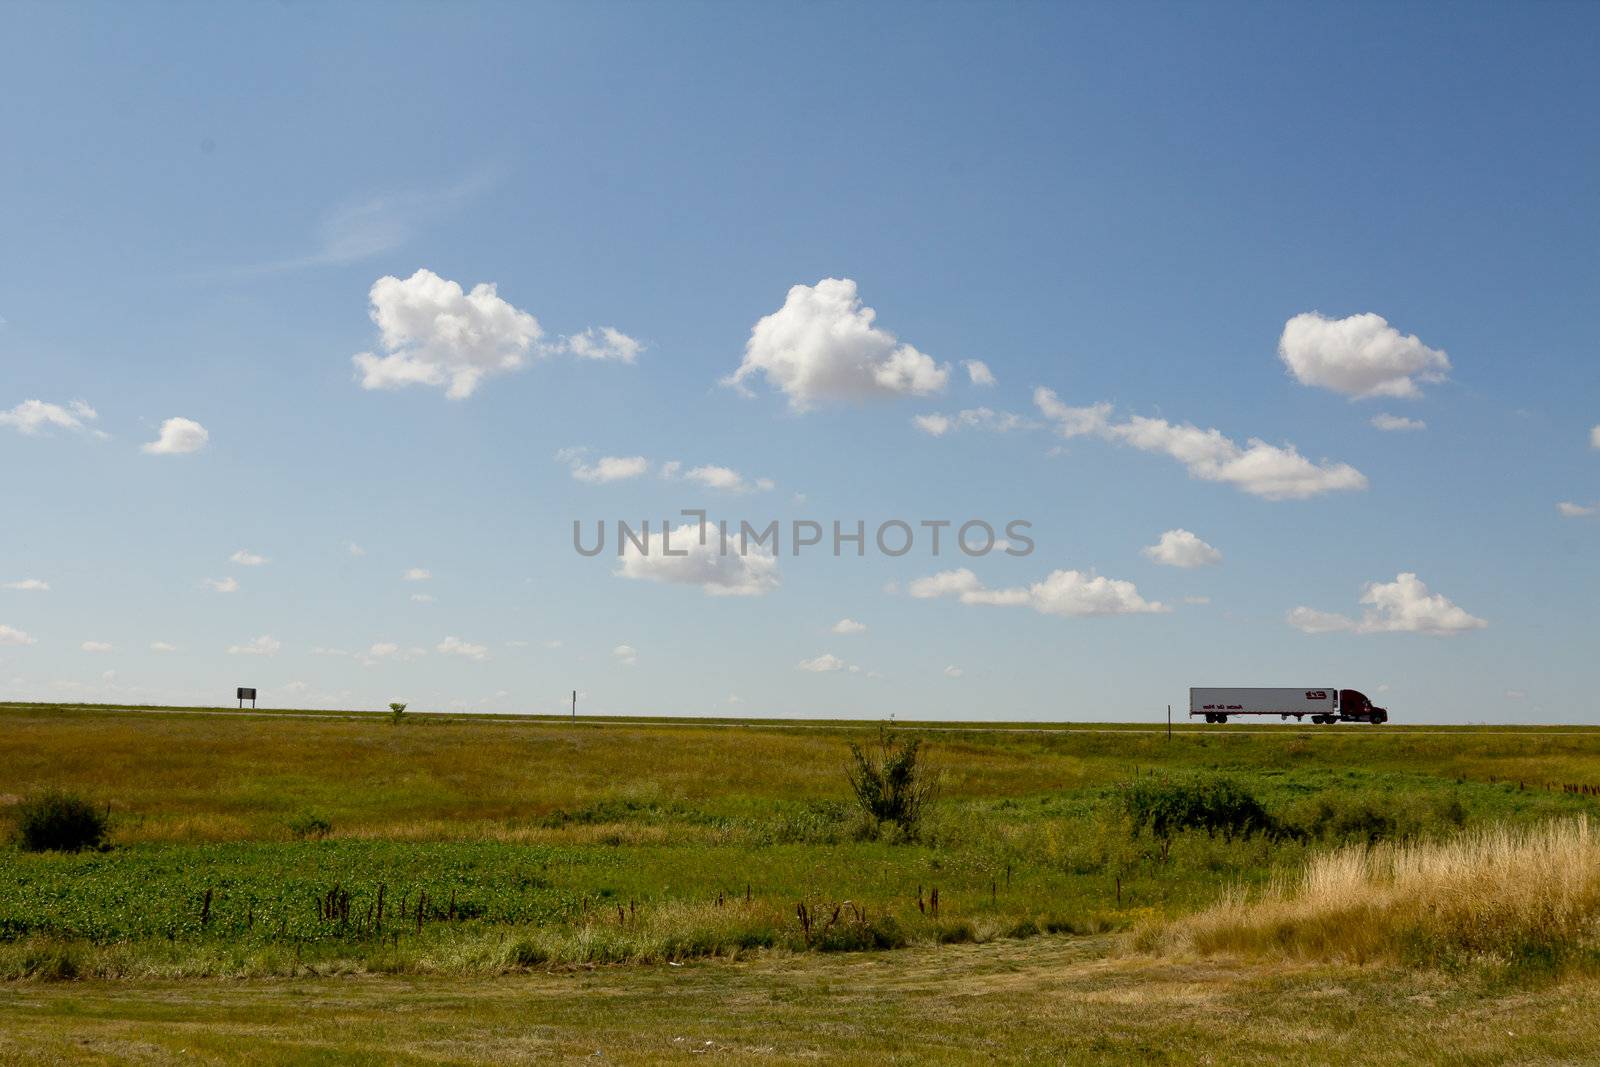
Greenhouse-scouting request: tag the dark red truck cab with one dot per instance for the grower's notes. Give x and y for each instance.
(1355, 707)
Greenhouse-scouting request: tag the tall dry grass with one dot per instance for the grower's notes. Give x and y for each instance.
(1500, 895)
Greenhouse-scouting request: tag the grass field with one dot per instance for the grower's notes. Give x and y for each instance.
(629, 879)
(1043, 1000)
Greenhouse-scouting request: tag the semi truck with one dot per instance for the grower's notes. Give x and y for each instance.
(1322, 704)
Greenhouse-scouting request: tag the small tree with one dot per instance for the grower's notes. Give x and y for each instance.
(893, 783)
(396, 710)
(59, 822)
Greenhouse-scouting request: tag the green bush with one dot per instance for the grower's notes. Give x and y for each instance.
(893, 785)
(1164, 807)
(882, 932)
(54, 821)
(525, 952)
(51, 963)
(1332, 818)
(310, 824)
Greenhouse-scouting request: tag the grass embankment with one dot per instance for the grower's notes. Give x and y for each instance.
(1508, 897)
(534, 842)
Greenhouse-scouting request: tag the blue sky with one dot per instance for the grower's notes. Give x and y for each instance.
(1241, 219)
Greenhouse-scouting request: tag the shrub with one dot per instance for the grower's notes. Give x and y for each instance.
(525, 952)
(51, 963)
(310, 824)
(1022, 928)
(862, 934)
(1164, 807)
(893, 785)
(395, 711)
(54, 821)
(1348, 819)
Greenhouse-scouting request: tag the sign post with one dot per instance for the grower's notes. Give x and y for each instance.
(574, 705)
(247, 694)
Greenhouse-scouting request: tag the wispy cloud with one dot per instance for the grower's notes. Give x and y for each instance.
(29, 585)
(35, 416)
(367, 226)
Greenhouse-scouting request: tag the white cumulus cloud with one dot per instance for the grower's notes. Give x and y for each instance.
(416, 574)
(1594, 437)
(1071, 421)
(704, 565)
(1576, 511)
(434, 333)
(1180, 548)
(1270, 471)
(95, 646)
(978, 372)
(178, 437)
(265, 645)
(1359, 356)
(10, 635)
(626, 655)
(822, 346)
(382, 651)
(35, 416)
(849, 626)
(823, 664)
(245, 558)
(1402, 606)
(953, 672)
(604, 343)
(1061, 592)
(29, 585)
(454, 646)
(162, 646)
(726, 479)
(223, 585)
(603, 470)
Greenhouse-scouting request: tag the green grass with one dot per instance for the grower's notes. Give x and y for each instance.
(1043, 1000)
(661, 890)
(525, 838)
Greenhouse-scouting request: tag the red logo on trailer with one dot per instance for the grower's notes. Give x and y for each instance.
(1316, 694)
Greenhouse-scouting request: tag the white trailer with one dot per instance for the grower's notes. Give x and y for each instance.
(1324, 704)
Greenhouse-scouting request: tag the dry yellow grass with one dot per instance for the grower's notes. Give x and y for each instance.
(1498, 895)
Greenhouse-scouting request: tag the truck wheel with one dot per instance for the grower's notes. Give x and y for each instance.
(1222, 718)
(1210, 717)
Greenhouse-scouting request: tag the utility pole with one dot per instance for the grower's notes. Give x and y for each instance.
(575, 706)
(1169, 722)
